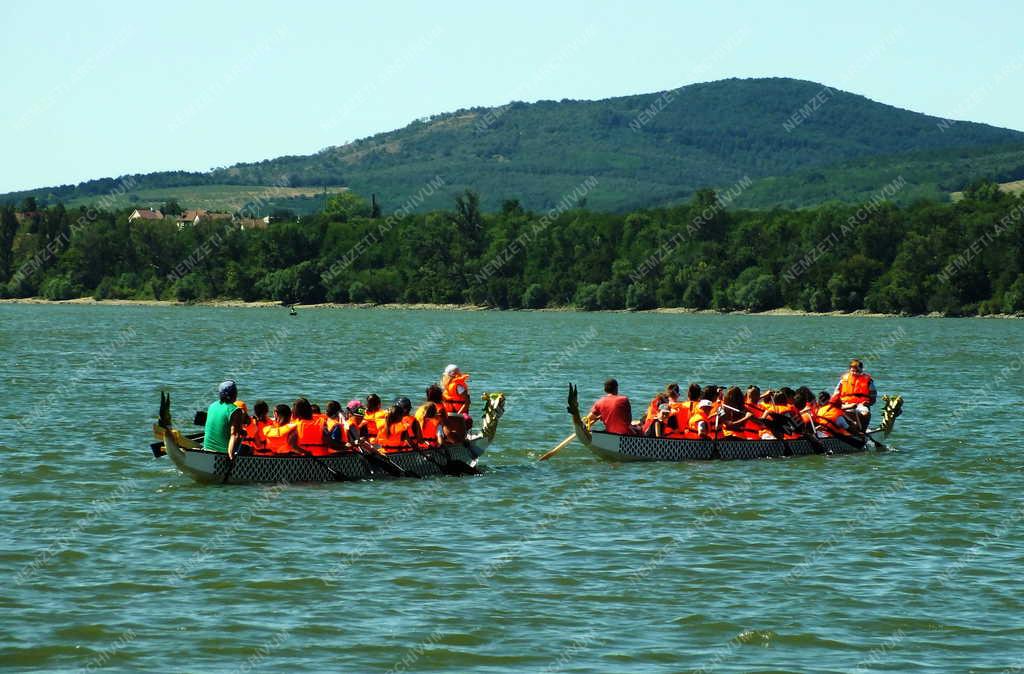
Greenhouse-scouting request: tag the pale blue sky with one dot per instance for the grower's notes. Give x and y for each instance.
(120, 87)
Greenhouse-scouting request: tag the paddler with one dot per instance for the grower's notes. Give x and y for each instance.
(310, 432)
(353, 423)
(856, 393)
(408, 419)
(393, 434)
(455, 388)
(254, 429)
(374, 416)
(225, 422)
(281, 436)
(333, 422)
(613, 410)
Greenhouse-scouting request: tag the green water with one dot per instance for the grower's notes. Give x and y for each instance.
(113, 561)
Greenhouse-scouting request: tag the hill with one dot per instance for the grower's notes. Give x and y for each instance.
(644, 150)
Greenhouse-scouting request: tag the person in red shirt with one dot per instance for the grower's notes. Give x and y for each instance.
(613, 410)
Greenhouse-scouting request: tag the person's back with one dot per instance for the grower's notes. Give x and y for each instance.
(254, 430)
(393, 433)
(374, 416)
(310, 431)
(613, 410)
(430, 424)
(280, 436)
(217, 430)
(224, 420)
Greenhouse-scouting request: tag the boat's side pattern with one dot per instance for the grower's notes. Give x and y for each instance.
(209, 466)
(640, 448)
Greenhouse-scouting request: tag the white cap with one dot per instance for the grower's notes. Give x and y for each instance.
(451, 369)
(704, 403)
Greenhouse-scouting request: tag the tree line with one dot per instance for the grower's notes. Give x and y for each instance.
(964, 258)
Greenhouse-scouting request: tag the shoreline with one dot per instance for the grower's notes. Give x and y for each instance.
(426, 306)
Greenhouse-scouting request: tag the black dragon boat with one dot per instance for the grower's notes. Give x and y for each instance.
(362, 463)
(614, 447)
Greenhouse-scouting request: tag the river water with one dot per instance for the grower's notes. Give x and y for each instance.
(885, 561)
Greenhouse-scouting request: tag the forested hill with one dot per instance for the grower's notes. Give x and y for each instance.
(645, 150)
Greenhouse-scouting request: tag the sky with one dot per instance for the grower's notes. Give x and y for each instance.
(114, 88)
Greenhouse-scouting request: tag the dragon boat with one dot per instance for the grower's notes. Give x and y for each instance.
(362, 463)
(614, 447)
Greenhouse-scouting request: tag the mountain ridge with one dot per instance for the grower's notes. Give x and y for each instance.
(644, 149)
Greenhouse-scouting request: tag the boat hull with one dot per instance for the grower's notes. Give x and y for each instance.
(612, 447)
(214, 467)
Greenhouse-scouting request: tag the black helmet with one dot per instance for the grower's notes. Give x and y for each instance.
(404, 403)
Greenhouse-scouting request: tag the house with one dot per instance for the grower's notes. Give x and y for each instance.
(143, 214)
(192, 217)
(252, 223)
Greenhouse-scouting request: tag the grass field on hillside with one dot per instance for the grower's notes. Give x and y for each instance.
(1014, 187)
(229, 198)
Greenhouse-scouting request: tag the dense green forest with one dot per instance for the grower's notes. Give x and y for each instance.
(805, 143)
(964, 258)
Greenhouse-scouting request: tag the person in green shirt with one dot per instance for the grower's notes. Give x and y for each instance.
(225, 422)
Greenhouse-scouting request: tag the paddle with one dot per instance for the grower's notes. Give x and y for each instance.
(375, 457)
(453, 467)
(558, 447)
(158, 447)
(338, 477)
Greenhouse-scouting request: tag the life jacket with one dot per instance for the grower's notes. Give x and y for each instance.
(254, 433)
(827, 417)
(311, 436)
(651, 415)
(682, 413)
(320, 418)
(855, 388)
(351, 428)
(698, 415)
(784, 416)
(373, 421)
(454, 401)
(276, 437)
(428, 428)
(393, 437)
(410, 423)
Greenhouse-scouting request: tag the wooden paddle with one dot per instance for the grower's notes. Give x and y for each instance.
(338, 477)
(158, 447)
(558, 447)
(375, 457)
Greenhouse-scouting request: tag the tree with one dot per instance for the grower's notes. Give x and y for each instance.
(347, 205)
(171, 207)
(8, 230)
(28, 205)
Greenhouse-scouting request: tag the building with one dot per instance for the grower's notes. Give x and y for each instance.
(144, 214)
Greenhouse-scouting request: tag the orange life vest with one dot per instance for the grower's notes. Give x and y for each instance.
(373, 421)
(254, 433)
(276, 437)
(454, 400)
(429, 427)
(683, 412)
(351, 427)
(393, 437)
(698, 415)
(311, 436)
(826, 419)
(855, 388)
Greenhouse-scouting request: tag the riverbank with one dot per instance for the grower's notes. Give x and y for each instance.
(264, 304)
